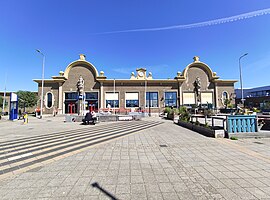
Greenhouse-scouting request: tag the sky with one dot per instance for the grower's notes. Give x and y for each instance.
(118, 36)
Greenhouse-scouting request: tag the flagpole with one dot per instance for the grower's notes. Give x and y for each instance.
(4, 100)
(114, 95)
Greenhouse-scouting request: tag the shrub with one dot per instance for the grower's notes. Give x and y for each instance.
(256, 110)
(234, 138)
(167, 110)
(197, 123)
(184, 114)
(175, 111)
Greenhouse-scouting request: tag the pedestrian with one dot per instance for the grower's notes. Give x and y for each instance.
(94, 117)
(87, 118)
(109, 107)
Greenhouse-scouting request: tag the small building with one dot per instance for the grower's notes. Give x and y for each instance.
(196, 85)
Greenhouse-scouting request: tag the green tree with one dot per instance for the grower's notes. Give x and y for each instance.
(227, 103)
(2, 101)
(26, 98)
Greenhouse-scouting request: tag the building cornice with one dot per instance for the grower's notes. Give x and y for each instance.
(49, 80)
(138, 80)
(225, 81)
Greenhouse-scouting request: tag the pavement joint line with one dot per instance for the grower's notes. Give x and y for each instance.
(244, 150)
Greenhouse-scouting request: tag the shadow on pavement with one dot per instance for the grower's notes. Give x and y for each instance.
(96, 185)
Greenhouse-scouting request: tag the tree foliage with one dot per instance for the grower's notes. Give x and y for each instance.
(26, 98)
(2, 101)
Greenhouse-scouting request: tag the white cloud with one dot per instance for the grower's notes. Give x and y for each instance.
(199, 24)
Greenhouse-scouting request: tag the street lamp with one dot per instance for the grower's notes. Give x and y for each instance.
(241, 81)
(42, 82)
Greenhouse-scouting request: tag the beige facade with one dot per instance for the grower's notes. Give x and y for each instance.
(139, 91)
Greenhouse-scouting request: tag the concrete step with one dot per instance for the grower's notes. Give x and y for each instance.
(22, 154)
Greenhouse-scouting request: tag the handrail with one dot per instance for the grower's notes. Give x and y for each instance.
(212, 117)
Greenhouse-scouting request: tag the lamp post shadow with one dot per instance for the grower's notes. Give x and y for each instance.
(96, 185)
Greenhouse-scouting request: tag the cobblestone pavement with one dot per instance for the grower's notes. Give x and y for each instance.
(162, 162)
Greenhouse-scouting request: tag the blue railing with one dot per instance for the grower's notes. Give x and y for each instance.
(241, 123)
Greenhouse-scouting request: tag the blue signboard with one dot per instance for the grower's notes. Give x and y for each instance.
(13, 109)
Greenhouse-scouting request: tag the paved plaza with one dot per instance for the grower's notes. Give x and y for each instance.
(148, 159)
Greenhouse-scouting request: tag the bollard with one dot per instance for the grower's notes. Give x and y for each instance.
(25, 118)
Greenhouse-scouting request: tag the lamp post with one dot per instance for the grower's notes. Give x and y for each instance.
(4, 100)
(241, 81)
(42, 82)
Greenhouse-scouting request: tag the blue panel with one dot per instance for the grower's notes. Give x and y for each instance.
(248, 126)
(241, 123)
(234, 126)
(244, 125)
(252, 125)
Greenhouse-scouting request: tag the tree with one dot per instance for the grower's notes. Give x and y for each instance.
(26, 99)
(2, 101)
(227, 102)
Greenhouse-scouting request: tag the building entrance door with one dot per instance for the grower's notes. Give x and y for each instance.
(92, 106)
(71, 108)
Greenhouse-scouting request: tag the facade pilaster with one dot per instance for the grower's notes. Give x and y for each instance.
(60, 99)
(101, 96)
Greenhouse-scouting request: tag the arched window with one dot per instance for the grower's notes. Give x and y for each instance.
(224, 95)
(49, 100)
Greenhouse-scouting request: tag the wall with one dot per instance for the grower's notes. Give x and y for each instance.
(122, 88)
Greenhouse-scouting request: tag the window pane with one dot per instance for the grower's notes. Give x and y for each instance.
(132, 103)
(132, 99)
(152, 99)
(70, 95)
(49, 100)
(113, 103)
(91, 95)
(170, 99)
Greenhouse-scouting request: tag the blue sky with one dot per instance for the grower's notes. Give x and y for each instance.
(65, 28)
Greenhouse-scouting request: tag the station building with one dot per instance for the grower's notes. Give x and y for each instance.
(139, 91)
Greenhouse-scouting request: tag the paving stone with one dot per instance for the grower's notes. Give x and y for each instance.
(258, 193)
(123, 189)
(137, 189)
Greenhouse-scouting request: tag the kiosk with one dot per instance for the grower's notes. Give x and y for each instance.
(13, 110)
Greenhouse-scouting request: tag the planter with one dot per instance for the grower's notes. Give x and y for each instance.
(202, 130)
(170, 116)
(185, 124)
